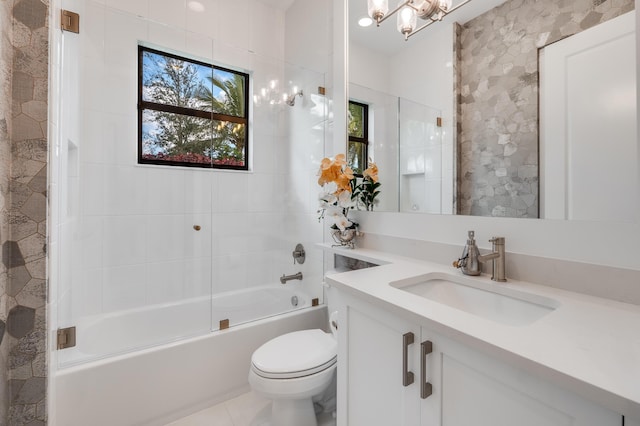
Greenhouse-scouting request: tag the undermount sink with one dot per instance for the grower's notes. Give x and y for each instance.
(496, 302)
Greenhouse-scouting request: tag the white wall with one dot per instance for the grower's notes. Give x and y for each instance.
(368, 70)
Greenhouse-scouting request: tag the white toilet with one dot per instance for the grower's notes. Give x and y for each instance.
(290, 370)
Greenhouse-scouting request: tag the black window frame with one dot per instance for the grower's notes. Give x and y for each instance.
(365, 133)
(210, 115)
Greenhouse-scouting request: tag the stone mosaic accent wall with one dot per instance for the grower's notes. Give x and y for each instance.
(498, 127)
(23, 192)
(6, 61)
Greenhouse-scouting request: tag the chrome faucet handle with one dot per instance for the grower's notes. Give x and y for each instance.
(299, 255)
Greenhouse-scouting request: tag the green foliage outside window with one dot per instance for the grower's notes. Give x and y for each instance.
(191, 113)
(357, 147)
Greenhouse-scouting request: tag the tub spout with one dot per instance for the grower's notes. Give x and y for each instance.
(284, 278)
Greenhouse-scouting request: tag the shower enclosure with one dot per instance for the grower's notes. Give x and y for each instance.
(145, 254)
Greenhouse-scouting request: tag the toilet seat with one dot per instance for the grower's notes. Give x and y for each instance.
(294, 374)
(294, 355)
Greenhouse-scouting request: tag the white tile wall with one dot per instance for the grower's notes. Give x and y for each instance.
(125, 190)
(165, 190)
(124, 287)
(124, 240)
(91, 235)
(232, 20)
(165, 281)
(173, 13)
(262, 20)
(206, 20)
(230, 272)
(197, 276)
(165, 237)
(233, 192)
(135, 7)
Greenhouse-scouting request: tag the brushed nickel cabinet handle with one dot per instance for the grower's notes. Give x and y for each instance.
(407, 376)
(426, 389)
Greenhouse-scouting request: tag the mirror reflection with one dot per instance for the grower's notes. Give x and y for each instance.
(456, 109)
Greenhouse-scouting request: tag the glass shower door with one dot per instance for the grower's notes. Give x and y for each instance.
(421, 159)
(134, 243)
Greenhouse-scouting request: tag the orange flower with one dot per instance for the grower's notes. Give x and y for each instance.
(344, 184)
(371, 172)
(341, 160)
(328, 172)
(331, 171)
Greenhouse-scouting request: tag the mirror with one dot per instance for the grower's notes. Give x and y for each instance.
(486, 158)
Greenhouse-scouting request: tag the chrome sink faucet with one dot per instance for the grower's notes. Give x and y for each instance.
(497, 258)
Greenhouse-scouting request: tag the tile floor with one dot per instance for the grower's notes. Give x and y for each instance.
(239, 411)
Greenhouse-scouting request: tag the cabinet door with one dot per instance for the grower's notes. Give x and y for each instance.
(375, 393)
(478, 390)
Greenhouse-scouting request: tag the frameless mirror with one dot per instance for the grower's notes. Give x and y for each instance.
(456, 125)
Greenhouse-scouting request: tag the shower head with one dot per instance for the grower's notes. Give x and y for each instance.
(291, 99)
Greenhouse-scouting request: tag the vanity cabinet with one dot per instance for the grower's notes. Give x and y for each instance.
(467, 387)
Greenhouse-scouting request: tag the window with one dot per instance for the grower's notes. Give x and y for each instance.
(358, 147)
(191, 113)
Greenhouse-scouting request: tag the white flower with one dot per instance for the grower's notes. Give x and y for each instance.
(331, 187)
(344, 200)
(334, 212)
(326, 199)
(342, 222)
(336, 215)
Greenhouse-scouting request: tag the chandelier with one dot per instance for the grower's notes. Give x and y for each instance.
(410, 10)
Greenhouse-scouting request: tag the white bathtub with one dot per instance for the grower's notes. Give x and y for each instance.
(101, 336)
(155, 385)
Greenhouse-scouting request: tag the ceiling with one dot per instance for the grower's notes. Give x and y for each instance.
(387, 40)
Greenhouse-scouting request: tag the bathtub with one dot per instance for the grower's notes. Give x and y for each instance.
(154, 385)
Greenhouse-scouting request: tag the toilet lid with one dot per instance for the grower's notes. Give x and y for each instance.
(296, 354)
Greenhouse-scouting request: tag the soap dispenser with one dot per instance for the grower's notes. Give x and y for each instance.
(468, 262)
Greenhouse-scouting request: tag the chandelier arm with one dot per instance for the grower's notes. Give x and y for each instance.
(406, 37)
(400, 6)
(453, 9)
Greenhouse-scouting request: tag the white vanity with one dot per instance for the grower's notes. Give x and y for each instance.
(421, 344)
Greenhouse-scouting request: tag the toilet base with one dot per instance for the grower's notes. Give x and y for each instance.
(293, 412)
(264, 418)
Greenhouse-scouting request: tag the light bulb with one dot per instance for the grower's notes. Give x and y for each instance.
(377, 9)
(406, 20)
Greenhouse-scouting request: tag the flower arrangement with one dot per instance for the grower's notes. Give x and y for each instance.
(341, 191)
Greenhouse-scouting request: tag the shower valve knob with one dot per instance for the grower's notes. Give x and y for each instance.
(298, 254)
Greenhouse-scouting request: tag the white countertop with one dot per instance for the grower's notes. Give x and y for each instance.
(588, 345)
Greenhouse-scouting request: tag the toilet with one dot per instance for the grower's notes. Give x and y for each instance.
(290, 370)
